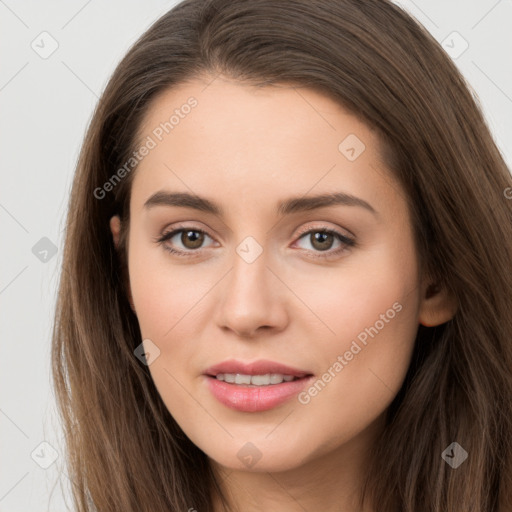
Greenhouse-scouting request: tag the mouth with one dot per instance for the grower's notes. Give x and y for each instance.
(257, 386)
(239, 372)
(268, 379)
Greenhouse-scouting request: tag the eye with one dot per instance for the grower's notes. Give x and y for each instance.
(321, 240)
(190, 238)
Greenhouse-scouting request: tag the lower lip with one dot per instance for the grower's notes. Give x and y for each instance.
(254, 399)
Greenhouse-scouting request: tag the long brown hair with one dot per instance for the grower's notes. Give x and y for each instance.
(124, 449)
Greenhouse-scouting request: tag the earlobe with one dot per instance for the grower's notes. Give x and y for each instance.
(115, 227)
(438, 306)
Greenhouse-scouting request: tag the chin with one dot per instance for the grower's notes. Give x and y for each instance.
(248, 457)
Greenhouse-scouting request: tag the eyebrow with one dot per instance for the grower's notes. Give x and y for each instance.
(287, 207)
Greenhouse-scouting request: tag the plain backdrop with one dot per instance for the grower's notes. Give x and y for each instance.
(46, 105)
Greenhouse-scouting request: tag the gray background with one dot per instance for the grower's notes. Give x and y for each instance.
(46, 104)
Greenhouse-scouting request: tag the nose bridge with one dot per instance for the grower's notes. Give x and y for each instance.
(250, 297)
(249, 275)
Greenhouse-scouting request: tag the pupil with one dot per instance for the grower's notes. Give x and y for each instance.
(320, 237)
(192, 239)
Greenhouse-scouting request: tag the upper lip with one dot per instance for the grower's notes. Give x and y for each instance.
(260, 367)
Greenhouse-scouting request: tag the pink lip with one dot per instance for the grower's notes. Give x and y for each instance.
(260, 367)
(246, 398)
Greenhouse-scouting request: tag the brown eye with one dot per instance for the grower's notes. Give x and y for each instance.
(184, 241)
(321, 240)
(192, 239)
(325, 242)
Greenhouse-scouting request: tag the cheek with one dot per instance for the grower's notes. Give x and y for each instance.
(372, 331)
(376, 288)
(169, 302)
(369, 311)
(364, 369)
(166, 295)
(361, 368)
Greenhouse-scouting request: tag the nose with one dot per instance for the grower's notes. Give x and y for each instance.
(252, 299)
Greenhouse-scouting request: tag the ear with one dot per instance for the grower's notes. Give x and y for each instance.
(437, 306)
(115, 228)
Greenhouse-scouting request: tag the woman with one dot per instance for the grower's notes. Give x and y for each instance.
(287, 273)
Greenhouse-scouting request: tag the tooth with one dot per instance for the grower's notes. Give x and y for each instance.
(260, 380)
(242, 379)
(254, 380)
(276, 378)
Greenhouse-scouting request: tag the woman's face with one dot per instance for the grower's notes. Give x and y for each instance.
(256, 277)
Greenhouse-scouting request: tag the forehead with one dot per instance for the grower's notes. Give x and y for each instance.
(278, 112)
(245, 141)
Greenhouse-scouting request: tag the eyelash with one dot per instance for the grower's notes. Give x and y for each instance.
(346, 241)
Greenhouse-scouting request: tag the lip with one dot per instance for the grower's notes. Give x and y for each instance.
(246, 398)
(260, 367)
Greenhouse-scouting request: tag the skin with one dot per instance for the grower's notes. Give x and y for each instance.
(247, 149)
